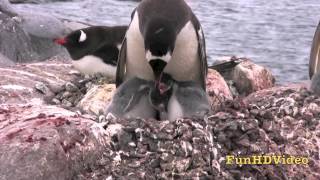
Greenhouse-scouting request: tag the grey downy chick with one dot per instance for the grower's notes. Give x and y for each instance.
(188, 100)
(131, 100)
(174, 99)
(160, 95)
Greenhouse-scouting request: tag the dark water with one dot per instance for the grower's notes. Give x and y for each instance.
(274, 33)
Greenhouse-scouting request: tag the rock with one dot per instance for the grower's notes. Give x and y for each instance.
(250, 77)
(71, 87)
(280, 120)
(15, 43)
(36, 1)
(42, 88)
(72, 26)
(42, 25)
(4, 61)
(189, 149)
(246, 76)
(46, 142)
(6, 8)
(29, 36)
(29, 83)
(42, 30)
(217, 88)
(97, 98)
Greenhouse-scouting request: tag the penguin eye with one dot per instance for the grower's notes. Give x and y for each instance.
(83, 36)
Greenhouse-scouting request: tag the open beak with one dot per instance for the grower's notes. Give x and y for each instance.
(157, 66)
(60, 41)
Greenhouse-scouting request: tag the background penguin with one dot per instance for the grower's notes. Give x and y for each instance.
(314, 63)
(131, 100)
(179, 99)
(163, 36)
(94, 49)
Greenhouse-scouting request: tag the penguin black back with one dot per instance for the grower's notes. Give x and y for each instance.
(94, 41)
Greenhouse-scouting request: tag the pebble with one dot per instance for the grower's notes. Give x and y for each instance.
(41, 87)
(71, 87)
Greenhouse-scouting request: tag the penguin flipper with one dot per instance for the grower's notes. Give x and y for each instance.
(121, 64)
(201, 52)
(314, 62)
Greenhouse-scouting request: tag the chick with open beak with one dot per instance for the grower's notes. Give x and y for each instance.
(160, 95)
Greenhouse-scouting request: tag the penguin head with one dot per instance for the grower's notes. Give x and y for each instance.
(80, 42)
(159, 41)
(160, 95)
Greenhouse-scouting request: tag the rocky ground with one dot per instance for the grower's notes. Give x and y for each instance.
(52, 124)
(283, 121)
(49, 114)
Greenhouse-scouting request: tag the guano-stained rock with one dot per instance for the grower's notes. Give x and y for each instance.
(46, 142)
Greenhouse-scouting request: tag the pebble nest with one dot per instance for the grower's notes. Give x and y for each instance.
(283, 122)
(70, 94)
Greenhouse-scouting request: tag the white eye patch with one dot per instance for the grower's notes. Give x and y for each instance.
(83, 36)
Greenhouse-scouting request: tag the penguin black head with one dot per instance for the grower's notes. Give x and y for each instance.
(77, 43)
(88, 40)
(159, 41)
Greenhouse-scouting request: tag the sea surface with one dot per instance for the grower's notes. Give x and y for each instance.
(274, 33)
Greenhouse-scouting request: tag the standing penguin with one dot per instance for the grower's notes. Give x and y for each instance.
(164, 36)
(94, 49)
(314, 63)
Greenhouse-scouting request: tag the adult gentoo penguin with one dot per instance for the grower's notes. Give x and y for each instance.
(163, 36)
(314, 64)
(94, 49)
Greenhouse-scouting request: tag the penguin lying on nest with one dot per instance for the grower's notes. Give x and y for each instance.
(94, 49)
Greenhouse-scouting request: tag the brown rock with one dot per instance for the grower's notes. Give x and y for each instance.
(249, 77)
(97, 98)
(46, 142)
(217, 88)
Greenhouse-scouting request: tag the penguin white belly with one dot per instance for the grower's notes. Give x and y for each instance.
(91, 65)
(175, 110)
(136, 65)
(185, 63)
